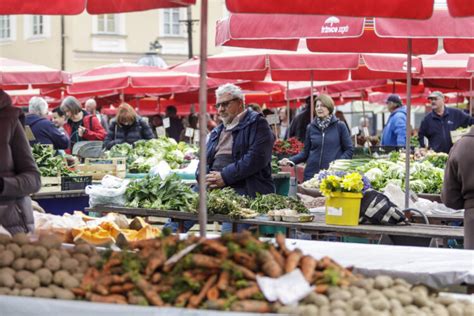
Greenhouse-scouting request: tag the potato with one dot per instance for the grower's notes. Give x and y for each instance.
(64, 254)
(83, 248)
(358, 292)
(45, 276)
(34, 264)
(44, 292)
(411, 309)
(338, 304)
(54, 253)
(70, 264)
(310, 299)
(59, 276)
(455, 309)
(7, 279)
(420, 299)
(50, 241)
(423, 290)
(53, 263)
(340, 295)
(389, 293)
(28, 251)
(7, 270)
(31, 282)
(26, 292)
(308, 310)
(320, 300)
(382, 282)
(324, 311)
(375, 294)
(401, 288)
(440, 310)
(78, 276)
(338, 312)
(4, 239)
(81, 257)
(395, 304)
(357, 303)
(6, 258)
(21, 275)
(83, 267)
(19, 264)
(2, 247)
(5, 291)
(70, 282)
(445, 300)
(399, 311)
(380, 304)
(20, 239)
(469, 309)
(62, 294)
(41, 252)
(405, 298)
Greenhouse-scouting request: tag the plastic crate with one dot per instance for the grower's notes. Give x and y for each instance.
(75, 183)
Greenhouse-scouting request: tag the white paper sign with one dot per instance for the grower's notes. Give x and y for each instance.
(166, 122)
(160, 131)
(273, 119)
(189, 132)
(196, 136)
(355, 130)
(334, 211)
(288, 289)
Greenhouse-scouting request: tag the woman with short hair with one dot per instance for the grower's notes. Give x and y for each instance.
(127, 127)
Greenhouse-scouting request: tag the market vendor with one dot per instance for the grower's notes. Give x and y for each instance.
(327, 139)
(19, 176)
(239, 150)
(458, 185)
(438, 124)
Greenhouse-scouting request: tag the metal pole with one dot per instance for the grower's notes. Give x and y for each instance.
(408, 128)
(311, 97)
(203, 121)
(63, 44)
(288, 104)
(470, 96)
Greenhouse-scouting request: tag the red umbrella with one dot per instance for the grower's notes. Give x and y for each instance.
(73, 7)
(407, 9)
(15, 74)
(128, 78)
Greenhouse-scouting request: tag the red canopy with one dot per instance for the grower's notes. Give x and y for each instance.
(73, 7)
(444, 65)
(15, 74)
(407, 9)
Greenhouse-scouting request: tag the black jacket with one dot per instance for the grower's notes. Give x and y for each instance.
(299, 124)
(119, 134)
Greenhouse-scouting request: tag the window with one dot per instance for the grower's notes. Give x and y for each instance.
(107, 23)
(171, 24)
(5, 27)
(38, 25)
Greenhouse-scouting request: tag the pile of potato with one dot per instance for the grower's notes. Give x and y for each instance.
(42, 268)
(380, 296)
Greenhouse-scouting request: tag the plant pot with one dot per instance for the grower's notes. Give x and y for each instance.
(343, 208)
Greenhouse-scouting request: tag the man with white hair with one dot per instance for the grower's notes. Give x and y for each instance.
(91, 108)
(43, 129)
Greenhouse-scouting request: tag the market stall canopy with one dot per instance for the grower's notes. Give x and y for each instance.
(406, 9)
(444, 65)
(16, 74)
(127, 78)
(73, 7)
(347, 34)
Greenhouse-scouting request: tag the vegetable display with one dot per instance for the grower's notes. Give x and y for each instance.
(145, 154)
(168, 194)
(289, 147)
(50, 164)
(268, 202)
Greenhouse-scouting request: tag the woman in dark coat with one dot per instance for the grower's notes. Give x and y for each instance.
(127, 127)
(327, 139)
(19, 176)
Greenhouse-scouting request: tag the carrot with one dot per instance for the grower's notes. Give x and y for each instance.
(278, 257)
(223, 281)
(325, 263)
(128, 287)
(280, 239)
(321, 288)
(183, 298)
(251, 306)
(247, 292)
(155, 262)
(245, 259)
(148, 290)
(219, 304)
(249, 274)
(78, 291)
(308, 265)
(204, 261)
(147, 243)
(292, 260)
(102, 289)
(216, 246)
(269, 265)
(213, 293)
(116, 289)
(195, 300)
(113, 298)
(156, 277)
(114, 260)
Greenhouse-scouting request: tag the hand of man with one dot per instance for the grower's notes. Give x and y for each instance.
(214, 180)
(81, 131)
(285, 162)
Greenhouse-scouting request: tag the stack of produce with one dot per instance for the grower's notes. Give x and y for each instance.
(50, 164)
(43, 268)
(216, 274)
(145, 154)
(287, 147)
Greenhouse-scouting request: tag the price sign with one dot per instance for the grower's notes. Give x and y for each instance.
(273, 119)
(160, 131)
(189, 132)
(166, 122)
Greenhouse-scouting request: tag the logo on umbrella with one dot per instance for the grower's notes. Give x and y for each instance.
(330, 29)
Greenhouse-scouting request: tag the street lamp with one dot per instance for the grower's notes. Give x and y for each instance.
(151, 57)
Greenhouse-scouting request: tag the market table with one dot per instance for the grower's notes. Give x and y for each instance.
(61, 202)
(414, 234)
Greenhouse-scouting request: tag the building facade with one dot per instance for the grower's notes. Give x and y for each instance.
(94, 40)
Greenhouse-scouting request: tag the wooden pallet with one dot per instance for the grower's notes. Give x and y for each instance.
(50, 184)
(99, 167)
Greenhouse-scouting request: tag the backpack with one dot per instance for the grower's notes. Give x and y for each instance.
(376, 208)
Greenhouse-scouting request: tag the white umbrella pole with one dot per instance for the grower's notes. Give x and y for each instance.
(408, 128)
(203, 121)
(470, 96)
(311, 97)
(288, 103)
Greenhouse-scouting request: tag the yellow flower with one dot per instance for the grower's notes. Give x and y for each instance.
(353, 182)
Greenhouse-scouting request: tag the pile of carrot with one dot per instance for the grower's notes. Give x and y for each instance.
(217, 274)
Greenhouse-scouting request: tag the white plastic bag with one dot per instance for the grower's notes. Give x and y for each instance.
(110, 192)
(162, 169)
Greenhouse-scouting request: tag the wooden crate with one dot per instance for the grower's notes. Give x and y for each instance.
(50, 184)
(99, 167)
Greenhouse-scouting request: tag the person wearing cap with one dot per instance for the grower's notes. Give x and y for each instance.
(438, 124)
(327, 139)
(458, 184)
(394, 133)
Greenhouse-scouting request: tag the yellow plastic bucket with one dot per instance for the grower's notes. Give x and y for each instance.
(343, 208)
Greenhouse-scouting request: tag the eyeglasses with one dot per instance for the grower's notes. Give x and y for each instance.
(225, 104)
